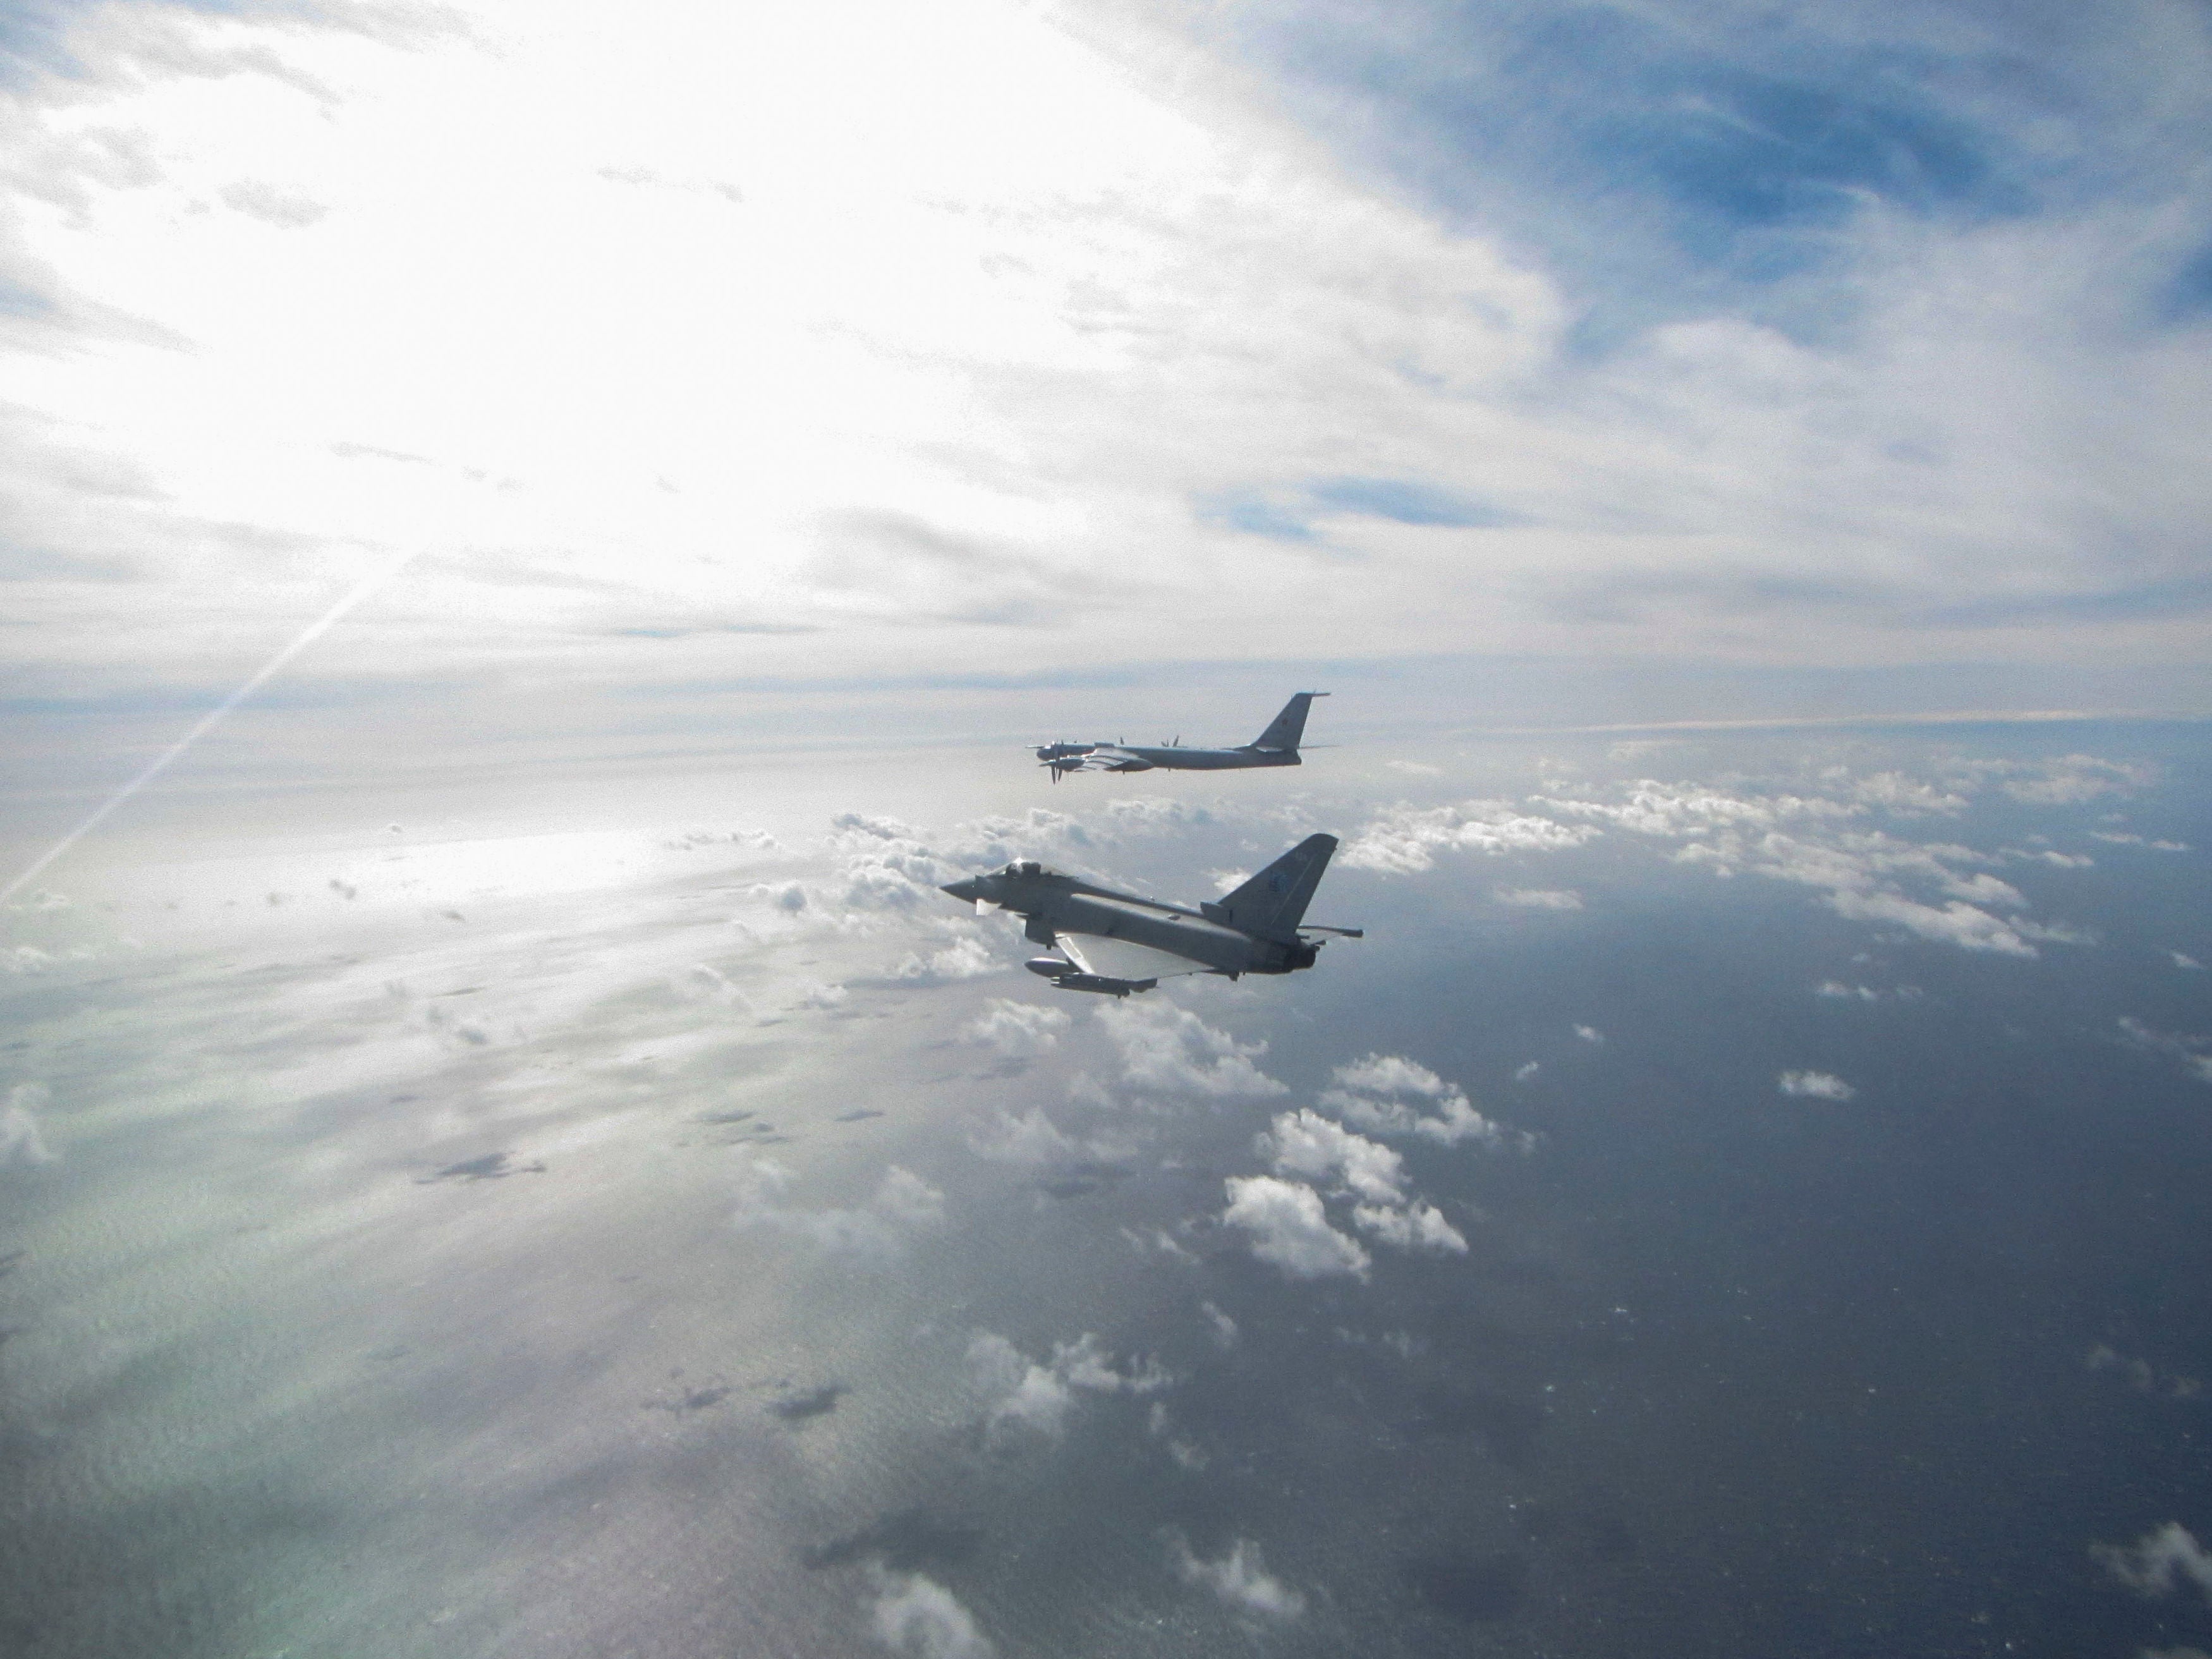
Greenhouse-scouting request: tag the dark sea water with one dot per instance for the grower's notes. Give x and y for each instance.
(550, 1250)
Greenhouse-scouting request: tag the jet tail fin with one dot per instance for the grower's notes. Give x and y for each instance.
(1288, 728)
(1271, 904)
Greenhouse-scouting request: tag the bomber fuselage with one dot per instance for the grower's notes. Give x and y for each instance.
(1173, 757)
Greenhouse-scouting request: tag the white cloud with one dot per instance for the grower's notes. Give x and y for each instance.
(1538, 898)
(1121, 262)
(1151, 813)
(1392, 1074)
(1835, 989)
(2071, 780)
(1304, 1143)
(1419, 1227)
(1589, 1034)
(966, 958)
(1523, 1073)
(2182, 960)
(1224, 1328)
(1815, 1085)
(1405, 839)
(1906, 797)
(1086, 1364)
(1368, 1092)
(902, 1205)
(1030, 1400)
(1807, 839)
(19, 1139)
(1241, 1579)
(918, 1617)
(2129, 838)
(1159, 1241)
(2189, 1050)
(2160, 1562)
(1289, 1229)
(1169, 1050)
(1032, 1139)
(1956, 923)
(1019, 1031)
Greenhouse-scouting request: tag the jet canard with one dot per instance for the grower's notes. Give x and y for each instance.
(1257, 929)
(1276, 746)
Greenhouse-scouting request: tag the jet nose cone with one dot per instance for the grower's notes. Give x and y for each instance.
(969, 889)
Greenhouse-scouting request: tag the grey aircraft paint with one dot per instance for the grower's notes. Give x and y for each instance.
(1276, 746)
(1256, 929)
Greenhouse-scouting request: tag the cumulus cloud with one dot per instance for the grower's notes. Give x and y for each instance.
(902, 1205)
(917, 1616)
(1538, 898)
(1290, 1228)
(1419, 1227)
(2160, 1562)
(1815, 1085)
(1032, 1137)
(1223, 1328)
(19, 1139)
(1030, 1399)
(1865, 874)
(1406, 839)
(1017, 1030)
(966, 958)
(1373, 1093)
(2071, 780)
(1149, 813)
(1168, 1050)
(1902, 796)
(1304, 1143)
(1241, 1580)
(2129, 838)
(2181, 959)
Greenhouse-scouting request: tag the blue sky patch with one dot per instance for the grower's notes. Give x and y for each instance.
(1676, 159)
(1403, 502)
(1399, 501)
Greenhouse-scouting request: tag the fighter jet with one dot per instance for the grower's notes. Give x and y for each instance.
(1276, 746)
(1133, 943)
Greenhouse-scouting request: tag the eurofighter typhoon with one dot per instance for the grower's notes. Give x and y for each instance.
(1276, 746)
(1134, 943)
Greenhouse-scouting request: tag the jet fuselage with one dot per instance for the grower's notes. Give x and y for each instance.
(1054, 904)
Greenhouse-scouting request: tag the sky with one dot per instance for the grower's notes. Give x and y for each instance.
(534, 537)
(732, 362)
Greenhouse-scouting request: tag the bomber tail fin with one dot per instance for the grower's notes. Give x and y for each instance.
(1288, 728)
(1273, 904)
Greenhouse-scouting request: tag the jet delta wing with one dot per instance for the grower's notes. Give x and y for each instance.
(1259, 928)
(1276, 746)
